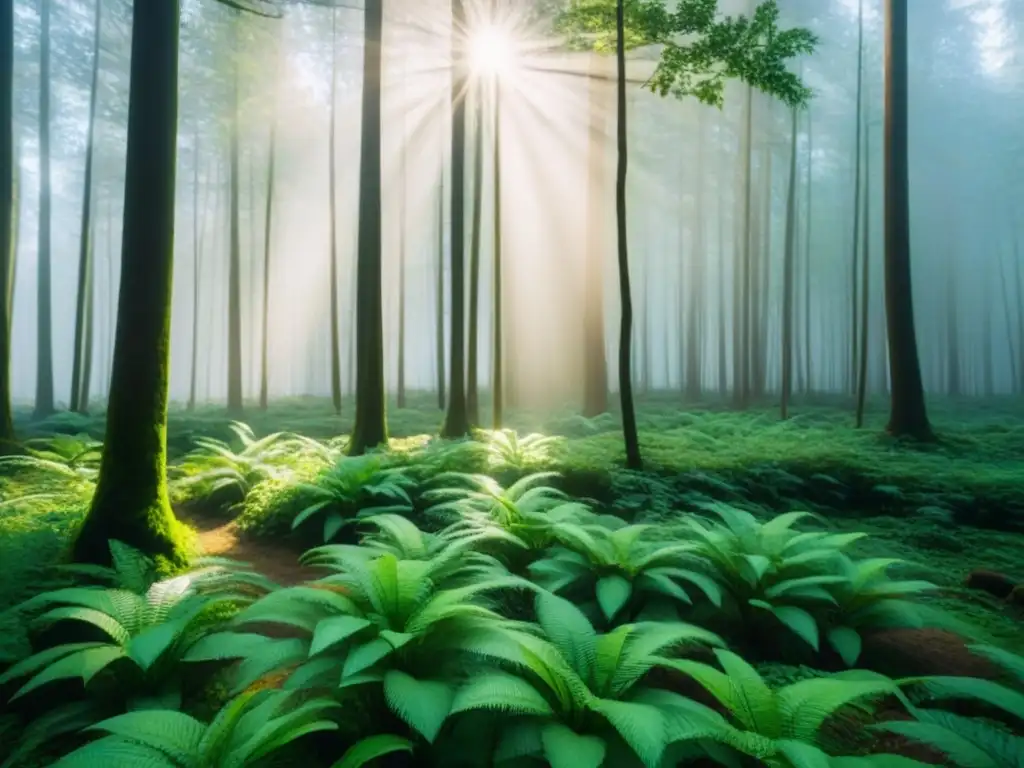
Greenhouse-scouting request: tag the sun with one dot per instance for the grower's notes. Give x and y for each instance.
(491, 51)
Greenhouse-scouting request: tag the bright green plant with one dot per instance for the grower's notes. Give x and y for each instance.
(245, 732)
(506, 450)
(628, 574)
(377, 621)
(781, 728)
(402, 538)
(352, 486)
(578, 699)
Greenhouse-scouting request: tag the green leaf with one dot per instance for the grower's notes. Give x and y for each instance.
(564, 748)
(86, 664)
(372, 748)
(115, 752)
(334, 630)
(501, 692)
(364, 656)
(613, 592)
(846, 642)
(174, 734)
(423, 704)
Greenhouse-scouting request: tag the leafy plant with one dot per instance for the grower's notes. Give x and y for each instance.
(578, 699)
(506, 450)
(247, 730)
(354, 485)
(627, 576)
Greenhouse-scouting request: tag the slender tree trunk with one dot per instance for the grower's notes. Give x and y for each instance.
(456, 421)
(472, 393)
(75, 401)
(1011, 348)
(498, 373)
(268, 221)
(235, 404)
(333, 253)
(787, 277)
(987, 353)
(695, 304)
(741, 366)
(402, 227)
(1018, 281)
(855, 249)
(908, 414)
(954, 386)
(595, 376)
(199, 220)
(8, 216)
(442, 381)
(862, 374)
(808, 368)
(723, 375)
(629, 429)
(131, 502)
(44, 317)
(370, 429)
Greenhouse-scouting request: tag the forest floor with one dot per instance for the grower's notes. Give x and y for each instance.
(950, 508)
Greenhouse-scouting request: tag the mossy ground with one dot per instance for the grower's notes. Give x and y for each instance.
(949, 507)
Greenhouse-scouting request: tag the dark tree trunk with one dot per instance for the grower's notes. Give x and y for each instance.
(44, 317)
(855, 249)
(79, 401)
(908, 414)
(456, 420)
(787, 277)
(333, 252)
(7, 219)
(472, 393)
(370, 429)
(235, 404)
(595, 367)
(629, 429)
(268, 221)
(131, 502)
(862, 373)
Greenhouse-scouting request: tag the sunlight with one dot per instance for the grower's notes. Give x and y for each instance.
(491, 51)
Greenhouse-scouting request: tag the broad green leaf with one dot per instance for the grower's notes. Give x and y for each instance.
(423, 704)
(372, 748)
(613, 592)
(564, 748)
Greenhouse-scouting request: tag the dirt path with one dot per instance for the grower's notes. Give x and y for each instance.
(221, 538)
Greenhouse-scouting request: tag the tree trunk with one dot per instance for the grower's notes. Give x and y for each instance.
(472, 393)
(741, 332)
(695, 303)
(198, 236)
(44, 318)
(332, 228)
(402, 227)
(442, 382)
(1011, 348)
(7, 219)
(808, 260)
(908, 414)
(131, 502)
(855, 250)
(953, 383)
(498, 373)
(268, 220)
(862, 374)
(76, 401)
(787, 277)
(370, 429)
(595, 375)
(634, 460)
(456, 421)
(235, 404)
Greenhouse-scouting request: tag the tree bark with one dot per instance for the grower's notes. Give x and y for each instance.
(7, 219)
(130, 503)
(472, 361)
(44, 317)
(333, 252)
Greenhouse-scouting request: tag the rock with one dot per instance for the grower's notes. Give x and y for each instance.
(994, 583)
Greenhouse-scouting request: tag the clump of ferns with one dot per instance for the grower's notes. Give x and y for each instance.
(622, 573)
(352, 487)
(968, 742)
(214, 469)
(573, 698)
(404, 631)
(72, 463)
(508, 452)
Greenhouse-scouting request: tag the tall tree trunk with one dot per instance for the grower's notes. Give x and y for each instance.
(855, 250)
(987, 356)
(7, 219)
(268, 221)
(235, 404)
(130, 503)
(497, 372)
(402, 227)
(370, 429)
(862, 374)
(88, 342)
(723, 375)
(695, 303)
(472, 393)
(953, 373)
(442, 381)
(44, 315)
(79, 401)
(629, 429)
(1012, 350)
(332, 229)
(199, 217)
(456, 420)
(787, 276)
(742, 320)
(808, 261)
(908, 414)
(595, 375)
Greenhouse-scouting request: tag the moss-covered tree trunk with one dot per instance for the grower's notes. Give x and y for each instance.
(332, 228)
(79, 400)
(595, 365)
(235, 402)
(456, 420)
(472, 356)
(908, 415)
(370, 429)
(44, 317)
(7, 218)
(629, 428)
(131, 503)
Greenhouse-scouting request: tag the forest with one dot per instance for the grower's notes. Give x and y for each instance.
(510, 383)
